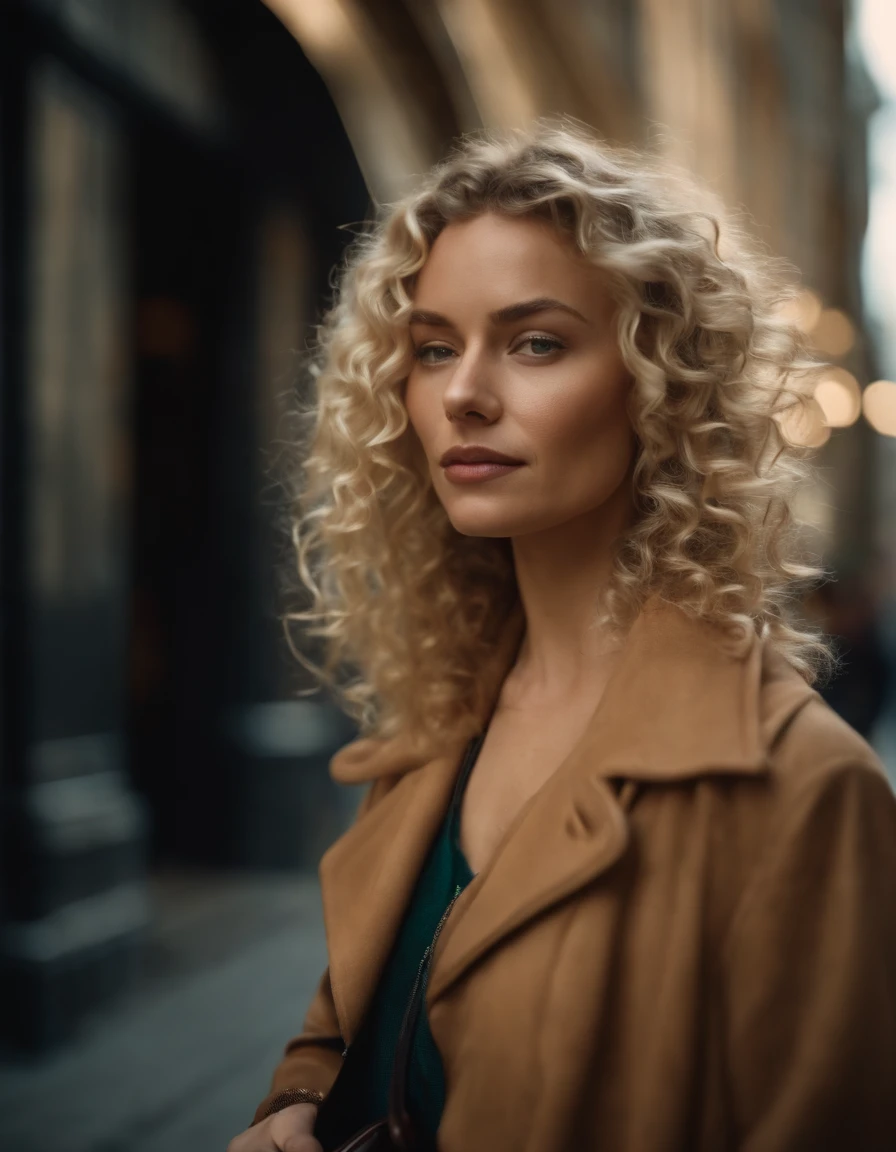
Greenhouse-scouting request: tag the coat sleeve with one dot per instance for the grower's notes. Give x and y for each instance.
(312, 1059)
(810, 975)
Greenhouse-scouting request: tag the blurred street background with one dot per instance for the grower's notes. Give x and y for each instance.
(177, 180)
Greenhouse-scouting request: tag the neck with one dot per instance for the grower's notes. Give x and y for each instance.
(561, 573)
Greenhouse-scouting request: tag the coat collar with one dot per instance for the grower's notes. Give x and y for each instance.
(681, 703)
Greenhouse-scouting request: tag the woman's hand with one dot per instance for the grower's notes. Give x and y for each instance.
(289, 1130)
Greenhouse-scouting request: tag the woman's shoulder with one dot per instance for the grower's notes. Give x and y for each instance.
(820, 818)
(808, 742)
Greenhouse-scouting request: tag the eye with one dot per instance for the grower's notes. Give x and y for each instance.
(540, 346)
(433, 354)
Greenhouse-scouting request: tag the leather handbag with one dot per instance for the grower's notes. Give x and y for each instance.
(395, 1132)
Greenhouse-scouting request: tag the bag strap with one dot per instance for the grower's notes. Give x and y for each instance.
(401, 1128)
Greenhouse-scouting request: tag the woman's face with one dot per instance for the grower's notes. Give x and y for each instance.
(516, 357)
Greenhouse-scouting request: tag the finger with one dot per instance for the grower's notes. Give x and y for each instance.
(294, 1120)
(289, 1130)
(252, 1140)
(292, 1128)
(301, 1143)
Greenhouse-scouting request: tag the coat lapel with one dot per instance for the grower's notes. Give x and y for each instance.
(570, 833)
(367, 878)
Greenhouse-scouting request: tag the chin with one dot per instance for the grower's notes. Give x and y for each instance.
(494, 523)
(479, 524)
(482, 532)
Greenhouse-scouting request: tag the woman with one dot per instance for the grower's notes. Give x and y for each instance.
(643, 879)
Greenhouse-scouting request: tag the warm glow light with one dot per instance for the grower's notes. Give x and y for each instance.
(833, 333)
(839, 397)
(803, 424)
(322, 26)
(803, 310)
(501, 84)
(879, 406)
(389, 133)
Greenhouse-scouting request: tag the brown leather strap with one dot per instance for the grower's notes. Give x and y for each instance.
(401, 1128)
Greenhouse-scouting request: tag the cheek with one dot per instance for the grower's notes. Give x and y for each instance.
(425, 418)
(579, 425)
(421, 411)
(414, 408)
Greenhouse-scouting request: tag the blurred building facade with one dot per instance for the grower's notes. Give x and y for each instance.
(174, 177)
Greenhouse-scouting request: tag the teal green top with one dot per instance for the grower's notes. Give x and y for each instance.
(372, 1054)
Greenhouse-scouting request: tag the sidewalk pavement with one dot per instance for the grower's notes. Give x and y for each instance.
(231, 963)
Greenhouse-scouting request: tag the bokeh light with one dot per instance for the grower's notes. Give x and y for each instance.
(833, 333)
(879, 406)
(840, 398)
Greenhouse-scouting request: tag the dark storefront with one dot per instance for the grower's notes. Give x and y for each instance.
(174, 176)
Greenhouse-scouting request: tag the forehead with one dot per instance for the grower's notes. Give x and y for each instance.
(492, 261)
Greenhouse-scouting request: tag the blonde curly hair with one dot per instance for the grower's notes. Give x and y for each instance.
(407, 609)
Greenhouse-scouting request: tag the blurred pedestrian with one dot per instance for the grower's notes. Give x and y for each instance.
(847, 609)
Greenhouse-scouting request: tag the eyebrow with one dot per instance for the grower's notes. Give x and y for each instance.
(509, 315)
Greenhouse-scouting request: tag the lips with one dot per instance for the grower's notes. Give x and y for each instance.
(475, 454)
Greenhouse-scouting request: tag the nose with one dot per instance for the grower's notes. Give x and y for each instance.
(470, 394)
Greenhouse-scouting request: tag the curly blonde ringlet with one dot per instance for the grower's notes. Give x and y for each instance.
(407, 608)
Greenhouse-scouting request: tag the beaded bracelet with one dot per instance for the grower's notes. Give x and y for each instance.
(291, 1096)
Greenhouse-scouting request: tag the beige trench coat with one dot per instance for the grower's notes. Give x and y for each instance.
(687, 942)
